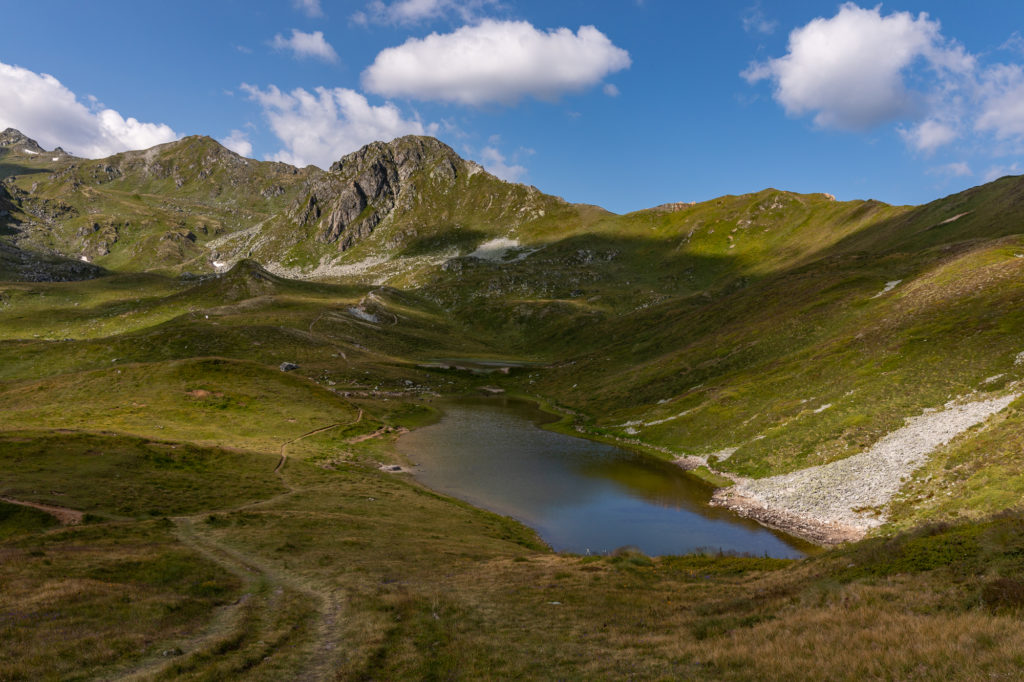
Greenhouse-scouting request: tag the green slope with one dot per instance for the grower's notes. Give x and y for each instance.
(788, 330)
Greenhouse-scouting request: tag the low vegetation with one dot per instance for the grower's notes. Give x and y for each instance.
(220, 432)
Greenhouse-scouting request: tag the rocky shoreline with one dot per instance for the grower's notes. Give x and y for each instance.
(803, 527)
(841, 501)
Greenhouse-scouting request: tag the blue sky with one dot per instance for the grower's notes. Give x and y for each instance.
(622, 103)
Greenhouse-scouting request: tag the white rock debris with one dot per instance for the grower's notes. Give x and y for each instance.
(889, 286)
(840, 495)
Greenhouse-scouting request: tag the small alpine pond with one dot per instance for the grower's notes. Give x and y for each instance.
(579, 495)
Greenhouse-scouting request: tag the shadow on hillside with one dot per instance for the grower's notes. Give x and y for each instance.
(463, 240)
(13, 169)
(988, 211)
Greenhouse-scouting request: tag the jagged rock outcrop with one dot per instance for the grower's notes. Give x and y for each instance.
(17, 264)
(194, 202)
(7, 205)
(15, 140)
(365, 187)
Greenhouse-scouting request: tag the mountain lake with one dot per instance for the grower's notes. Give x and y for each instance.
(580, 496)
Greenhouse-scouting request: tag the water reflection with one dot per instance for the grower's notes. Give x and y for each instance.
(579, 495)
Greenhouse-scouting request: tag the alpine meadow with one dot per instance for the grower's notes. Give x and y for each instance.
(230, 387)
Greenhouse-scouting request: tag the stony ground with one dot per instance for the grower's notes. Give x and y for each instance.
(842, 500)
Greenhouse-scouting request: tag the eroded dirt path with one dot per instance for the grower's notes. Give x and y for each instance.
(253, 618)
(284, 446)
(67, 517)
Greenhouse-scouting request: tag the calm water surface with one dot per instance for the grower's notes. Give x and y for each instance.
(579, 495)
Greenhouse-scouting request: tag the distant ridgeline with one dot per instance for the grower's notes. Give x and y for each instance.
(756, 335)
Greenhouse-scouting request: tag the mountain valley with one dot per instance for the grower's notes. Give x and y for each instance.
(209, 358)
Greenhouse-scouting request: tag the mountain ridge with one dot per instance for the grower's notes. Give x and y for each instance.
(196, 190)
(220, 402)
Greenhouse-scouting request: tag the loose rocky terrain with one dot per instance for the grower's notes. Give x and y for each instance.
(209, 357)
(841, 501)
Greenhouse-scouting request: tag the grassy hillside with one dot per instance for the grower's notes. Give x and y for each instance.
(220, 427)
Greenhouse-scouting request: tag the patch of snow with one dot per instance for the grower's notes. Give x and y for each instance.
(889, 286)
(822, 408)
(219, 264)
(84, 259)
(56, 158)
(29, 151)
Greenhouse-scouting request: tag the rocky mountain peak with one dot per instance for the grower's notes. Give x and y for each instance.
(366, 186)
(12, 138)
(408, 154)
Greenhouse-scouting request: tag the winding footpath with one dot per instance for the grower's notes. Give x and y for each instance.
(67, 517)
(266, 586)
(284, 446)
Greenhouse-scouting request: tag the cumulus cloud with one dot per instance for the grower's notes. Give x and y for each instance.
(957, 169)
(42, 108)
(611, 90)
(415, 11)
(1003, 101)
(495, 61)
(849, 71)
(311, 8)
(238, 142)
(304, 45)
(320, 127)
(496, 164)
(929, 135)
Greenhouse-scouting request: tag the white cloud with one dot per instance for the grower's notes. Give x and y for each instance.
(996, 172)
(929, 135)
(957, 169)
(311, 8)
(415, 11)
(611, 90)
(42, 108)
(1003, 106)
(754, 21)
(495, 61)
(238, 142)
(1015, 43)
(322, 126)
(496, 164)
(849, 70)
(306, 45)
